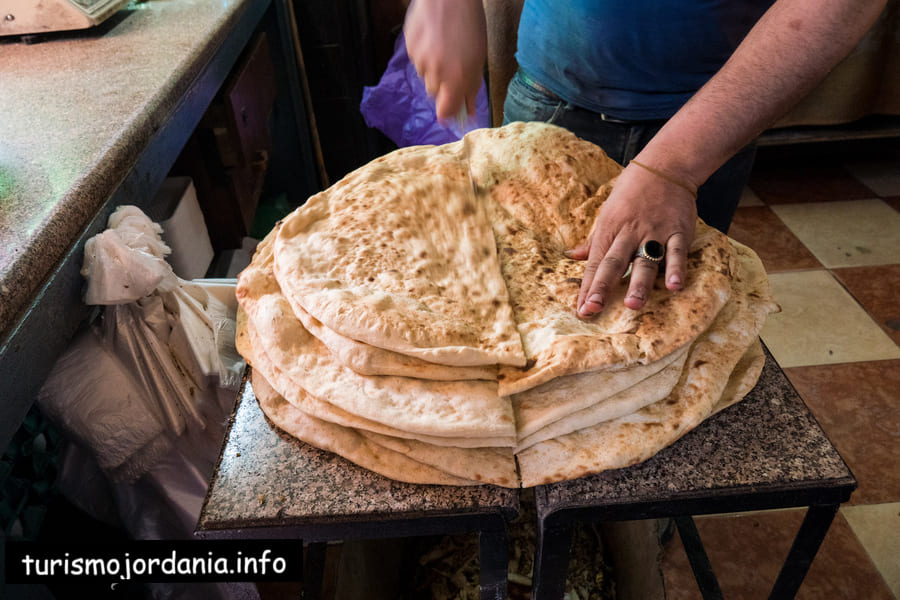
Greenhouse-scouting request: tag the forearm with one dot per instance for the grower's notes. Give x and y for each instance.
(793, 46)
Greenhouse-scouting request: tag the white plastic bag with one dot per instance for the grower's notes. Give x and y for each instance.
(145, 393)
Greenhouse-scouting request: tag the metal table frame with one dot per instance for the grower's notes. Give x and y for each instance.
(560, 506)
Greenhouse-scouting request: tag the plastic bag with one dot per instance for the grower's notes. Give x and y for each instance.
(400, 107)
(150, 371)
(145, 394)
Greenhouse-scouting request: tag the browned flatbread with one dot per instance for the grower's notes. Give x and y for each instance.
(399, 254)
(347, 443)
(321, 409)
(711, 361)
(435, 408)
(545, 185)
(380, 310)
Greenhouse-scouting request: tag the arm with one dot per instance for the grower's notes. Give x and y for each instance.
(792, 47)
(447, 42)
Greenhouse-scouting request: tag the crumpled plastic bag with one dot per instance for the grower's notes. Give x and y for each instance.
(400, 107)
(126, 388)
(144, 395)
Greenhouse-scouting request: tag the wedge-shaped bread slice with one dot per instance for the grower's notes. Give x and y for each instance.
(399, 254)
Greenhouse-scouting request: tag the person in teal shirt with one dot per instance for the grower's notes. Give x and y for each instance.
(677, 91)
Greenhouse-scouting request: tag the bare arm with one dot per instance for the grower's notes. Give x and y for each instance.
(793, 46)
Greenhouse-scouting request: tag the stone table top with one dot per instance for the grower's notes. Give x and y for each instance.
(77, 109)
(266, 478)
(769, 444)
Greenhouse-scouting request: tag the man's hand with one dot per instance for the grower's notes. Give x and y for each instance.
(643, 206)
(446, 40)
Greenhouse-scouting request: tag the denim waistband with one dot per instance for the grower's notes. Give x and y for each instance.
(531, 82)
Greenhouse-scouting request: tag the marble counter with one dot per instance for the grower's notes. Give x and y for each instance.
(76, 110)
(91, 120)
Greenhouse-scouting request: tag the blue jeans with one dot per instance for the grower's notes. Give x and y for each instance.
(717, 199)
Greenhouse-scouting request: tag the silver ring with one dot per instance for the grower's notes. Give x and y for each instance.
(651, 250)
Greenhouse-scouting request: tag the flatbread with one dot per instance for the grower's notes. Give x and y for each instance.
(436, 408)
(326, 411)
(380, 310)
(399, 254)
(371, 360)
(535, 424)
(474, 465)
(636, 437)
(564, 396)
(744, 377)
(544, 186)
(348, 443)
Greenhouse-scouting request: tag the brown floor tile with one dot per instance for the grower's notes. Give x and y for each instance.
(878, 290)
(814, 180)
(780, 250)
(747, 551)
(856, 404)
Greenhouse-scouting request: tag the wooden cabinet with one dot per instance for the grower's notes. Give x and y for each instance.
(228, 154)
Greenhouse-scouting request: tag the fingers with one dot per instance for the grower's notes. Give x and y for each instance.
(643, 274)
(676, 261)
(604, 272)
(601, 274)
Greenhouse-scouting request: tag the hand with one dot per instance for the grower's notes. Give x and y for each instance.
(642, 206)
(446, 40)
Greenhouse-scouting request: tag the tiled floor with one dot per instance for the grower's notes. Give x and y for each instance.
(826, 222)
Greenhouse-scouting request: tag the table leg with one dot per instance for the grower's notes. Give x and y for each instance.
(313, 570)
(493, 557)
(693, 547)
(551, 562)
(812, 531)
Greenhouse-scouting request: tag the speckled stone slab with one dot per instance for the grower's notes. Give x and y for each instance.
(769, 443)
(268, 479)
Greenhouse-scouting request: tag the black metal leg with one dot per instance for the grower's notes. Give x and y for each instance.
(815, 525)
(493, 556)
(551, 561)
(314, 570)
(693, 547)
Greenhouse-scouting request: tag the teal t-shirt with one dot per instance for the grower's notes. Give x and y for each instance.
(630, 59)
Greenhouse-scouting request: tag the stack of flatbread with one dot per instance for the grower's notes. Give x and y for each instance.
(427, 331)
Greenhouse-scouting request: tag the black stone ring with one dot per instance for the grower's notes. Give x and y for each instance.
(651, 250)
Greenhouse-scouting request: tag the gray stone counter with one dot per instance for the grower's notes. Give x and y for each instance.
(76, 110)
(90, 120)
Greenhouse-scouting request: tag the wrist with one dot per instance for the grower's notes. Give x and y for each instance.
(686, 185)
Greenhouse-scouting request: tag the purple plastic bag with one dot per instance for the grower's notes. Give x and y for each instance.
(400, 107)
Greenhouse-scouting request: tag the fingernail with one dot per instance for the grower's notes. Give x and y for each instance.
(584, 311)
(674, 280)
(636, 295)
(568, 253)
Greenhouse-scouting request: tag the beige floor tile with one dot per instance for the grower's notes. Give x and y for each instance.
(820, 323)
(749, 198)
(882, 177)
(851, 233)
(877, 526)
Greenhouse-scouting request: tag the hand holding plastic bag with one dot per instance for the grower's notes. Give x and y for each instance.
(400, 107)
